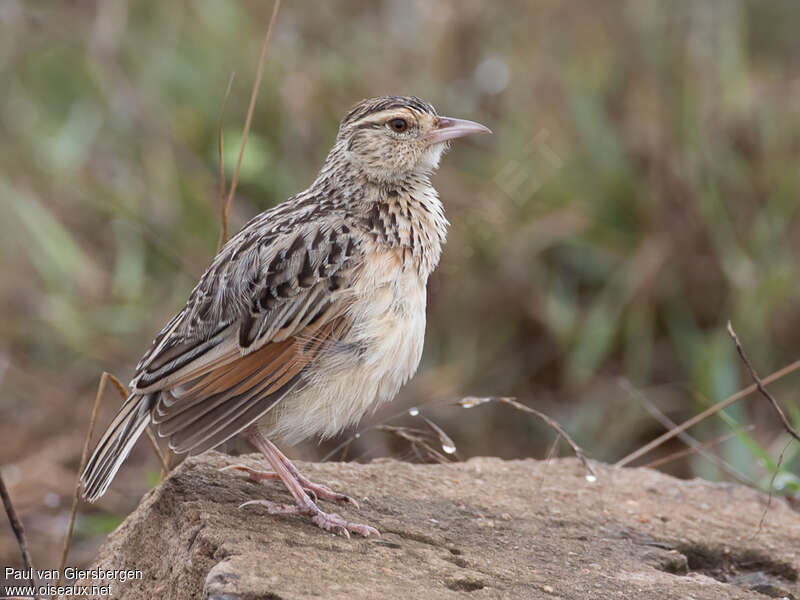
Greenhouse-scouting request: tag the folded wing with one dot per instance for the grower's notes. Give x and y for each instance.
(264, 312)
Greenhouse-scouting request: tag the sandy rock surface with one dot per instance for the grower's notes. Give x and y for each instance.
(485, 528)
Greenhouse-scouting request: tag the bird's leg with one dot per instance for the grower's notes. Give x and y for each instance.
(317, 490)
(288, 473)
(321, 491)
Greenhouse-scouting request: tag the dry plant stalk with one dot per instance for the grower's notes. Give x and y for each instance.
(447, 443)
(226, 207)
(84, 456)
(416, 437)
(712, 410)
(222, 183)
(551, 452)
(123, 392)
(760, 385)
(694, 449)
(694, 445)
(19, 533)
(771, 488)
(784, 421)
(225, 210)
(471, 401)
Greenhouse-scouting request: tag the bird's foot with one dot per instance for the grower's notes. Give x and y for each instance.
(317, 489)
(335, 523)
(275, 508)
(327, 521)
(300, 486)
(252, 473)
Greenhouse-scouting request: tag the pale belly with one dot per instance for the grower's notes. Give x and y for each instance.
(380, 353)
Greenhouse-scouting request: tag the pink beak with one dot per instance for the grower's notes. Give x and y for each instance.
(449, 129)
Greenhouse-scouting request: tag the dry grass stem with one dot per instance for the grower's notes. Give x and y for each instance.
(712, 410)
(19, 533)
(448, 445)
(253, 96)
(344, 447)
(121, 388)
(84, 456)
(760, 385)
(222, 183)
(472, 401)
(552, 451)
(123, 392)
(694, 449)
(693, 444)
(161, 458)
(417, 439)
(771, 488)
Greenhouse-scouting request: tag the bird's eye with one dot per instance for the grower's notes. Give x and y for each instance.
(398, 125)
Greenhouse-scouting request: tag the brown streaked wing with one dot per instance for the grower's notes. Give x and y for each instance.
(254, 294)
(219, 404)
(236, 347)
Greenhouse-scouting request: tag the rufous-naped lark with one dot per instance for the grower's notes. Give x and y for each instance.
(311, 316)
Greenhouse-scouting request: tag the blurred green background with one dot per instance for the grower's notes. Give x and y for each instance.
(641, 188)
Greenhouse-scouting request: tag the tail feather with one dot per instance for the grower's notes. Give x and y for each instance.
(115, 445)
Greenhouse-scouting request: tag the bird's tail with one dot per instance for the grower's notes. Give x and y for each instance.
(115, 445)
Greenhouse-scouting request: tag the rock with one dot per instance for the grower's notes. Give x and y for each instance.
(485, 528)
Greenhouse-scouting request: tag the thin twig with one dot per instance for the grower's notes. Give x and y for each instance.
(154, 445)
(121, 389)
(222, 182)
(787, 425)
(253, 95)
(551, 452)
(343, 447)
(448, 445)
(416, 438)
(84, 456)
(19, 533)
(168, 458)
(694, 449)
(553, 424)
(414, 412)
(722, 404)
(695, 445)
(771, 488)
(473, 401)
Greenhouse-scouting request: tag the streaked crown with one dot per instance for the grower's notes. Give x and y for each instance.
(371, 106)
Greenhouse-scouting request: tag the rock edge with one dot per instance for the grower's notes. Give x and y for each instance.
(484, 528)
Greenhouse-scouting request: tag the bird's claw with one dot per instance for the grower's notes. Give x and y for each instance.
(335, 523)
(328, 521)
(252, 473)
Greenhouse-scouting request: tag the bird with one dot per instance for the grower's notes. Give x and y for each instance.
(307, 319)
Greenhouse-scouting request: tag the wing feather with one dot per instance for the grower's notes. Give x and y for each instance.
(257, 380)
(267, 308)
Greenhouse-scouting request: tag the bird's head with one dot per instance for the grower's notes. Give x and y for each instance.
(390, 138)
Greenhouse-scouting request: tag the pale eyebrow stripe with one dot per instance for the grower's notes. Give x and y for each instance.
(377, 119)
